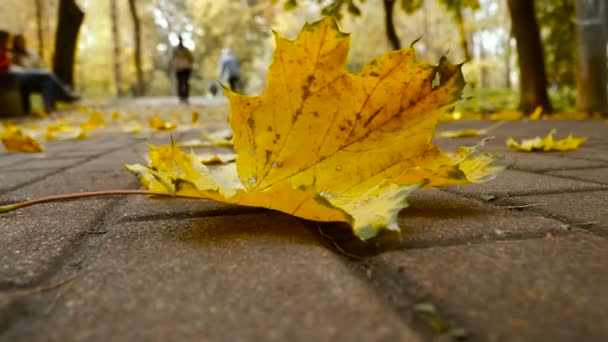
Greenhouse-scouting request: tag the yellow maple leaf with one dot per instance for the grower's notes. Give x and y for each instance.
(160, 125)
(546, 144)
(95, 121)
(14, 140)
(326, 144)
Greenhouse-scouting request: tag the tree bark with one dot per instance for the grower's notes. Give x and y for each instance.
(464, 42)
(139, 89)
(69, 19)
(40, 28)
(591, 56)
(391, 34)
(116, 53)
(533, 79)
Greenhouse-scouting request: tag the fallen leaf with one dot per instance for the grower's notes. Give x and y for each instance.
(325, 144)
(131, 127)
(195, 117)
(468, 133)
(160, 125)
(216, 158)
(14, 140)
(546, 144)
(95, 121)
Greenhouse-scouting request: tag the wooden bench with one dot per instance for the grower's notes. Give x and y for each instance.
(11, 103)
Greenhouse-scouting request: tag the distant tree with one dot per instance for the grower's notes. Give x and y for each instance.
(591, 53)
(139, 88)
(556, 20)
(116, 44)
(40, 27)
(69, 19)
(533, 80)
(456, 7)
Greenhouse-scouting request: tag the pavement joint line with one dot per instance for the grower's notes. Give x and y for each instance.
(544, 171)
(575, 225)
(402, 296)
(20, 308)
(60, 170)
(480, 239)
(602, 187)
(229, 211)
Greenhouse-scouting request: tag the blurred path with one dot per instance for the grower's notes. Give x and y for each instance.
(524, 257)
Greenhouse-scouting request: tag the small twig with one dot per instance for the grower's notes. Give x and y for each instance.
(522, 206)
(58, 296)
(39, 289)
(584, 223)
(19, 205)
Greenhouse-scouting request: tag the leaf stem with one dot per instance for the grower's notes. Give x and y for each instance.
(10, 207)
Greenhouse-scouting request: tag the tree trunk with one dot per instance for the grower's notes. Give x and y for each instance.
(40, 28)
(116, 47)
(464, 43)
(139, 89)
(391, 34)
(533, 79)
(591, 56)
(69, 19)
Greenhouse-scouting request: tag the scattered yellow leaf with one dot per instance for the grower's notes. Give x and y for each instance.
(216, 158)
(546, 144)
(325, 144)
(16, 141)
(160, 125)
(131, 127)
(195, 117)
(95, 121)
(537, 114)
(115, 116)
(467, 133)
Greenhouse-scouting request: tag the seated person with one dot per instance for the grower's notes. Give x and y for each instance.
(4, 53)
(33, 78)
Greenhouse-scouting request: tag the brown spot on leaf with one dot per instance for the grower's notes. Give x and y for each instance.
(251, 123)
(269, 128)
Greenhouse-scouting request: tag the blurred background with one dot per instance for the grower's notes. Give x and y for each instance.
(525, 55)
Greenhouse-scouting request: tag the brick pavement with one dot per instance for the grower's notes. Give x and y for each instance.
(196, 270)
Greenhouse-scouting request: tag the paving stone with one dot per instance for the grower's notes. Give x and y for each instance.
(588, 209)
(545, 162)
(513, 183)
(74, 180)
(9, 159)
(435, 217)
(240, 278)
(33, 239)
(598, 175)
(548, 289)
(13, 179)
(46, 163)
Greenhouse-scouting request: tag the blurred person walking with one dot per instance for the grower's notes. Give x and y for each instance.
(180, 64)
(229, 69)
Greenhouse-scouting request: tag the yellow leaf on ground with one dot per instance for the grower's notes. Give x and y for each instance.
(131, 127)
(216, 158)
(467, 133)
(160, 125)
(329, 145)
(14, 140)
(195, 117)
(546, 144)
(95, 121)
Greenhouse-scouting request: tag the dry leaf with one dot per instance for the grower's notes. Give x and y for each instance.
(216, 158)
(546, 144)
(14, 140)
(467, 133)
(160, 125)
(325, 144)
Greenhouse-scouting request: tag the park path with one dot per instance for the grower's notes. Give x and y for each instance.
(522, 258)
